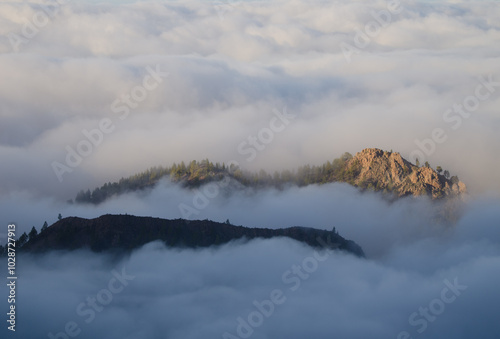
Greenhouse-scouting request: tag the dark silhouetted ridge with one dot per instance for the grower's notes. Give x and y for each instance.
(126, 232)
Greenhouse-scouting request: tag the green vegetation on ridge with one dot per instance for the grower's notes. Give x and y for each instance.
(371, 169)
(197, 173)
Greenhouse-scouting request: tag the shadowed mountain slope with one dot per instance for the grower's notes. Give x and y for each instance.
(125, 232)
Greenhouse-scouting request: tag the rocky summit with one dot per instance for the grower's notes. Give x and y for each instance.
(376, 169)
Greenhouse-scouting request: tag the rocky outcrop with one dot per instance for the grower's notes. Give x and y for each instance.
(389, 171)
(125, 233)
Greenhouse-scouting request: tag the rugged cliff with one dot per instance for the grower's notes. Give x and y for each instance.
(375, 169)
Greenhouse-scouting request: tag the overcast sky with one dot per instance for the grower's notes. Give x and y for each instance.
(230, 66)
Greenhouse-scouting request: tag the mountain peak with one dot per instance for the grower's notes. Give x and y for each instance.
(381, 170)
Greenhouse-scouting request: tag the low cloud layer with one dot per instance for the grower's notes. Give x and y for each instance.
(449, 276)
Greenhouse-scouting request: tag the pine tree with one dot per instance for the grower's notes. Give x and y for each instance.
(446, 174)
(33, 233)
(22, 240)
(44, 227)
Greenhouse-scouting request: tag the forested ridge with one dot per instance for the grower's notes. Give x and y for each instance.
(371, 169)
(197, 173)
(127, 232)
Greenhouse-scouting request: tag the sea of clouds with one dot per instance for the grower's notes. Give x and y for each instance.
(206, 76)
(400, 290)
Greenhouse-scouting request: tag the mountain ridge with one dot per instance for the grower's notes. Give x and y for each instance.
(126, 233)
(370, 169)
